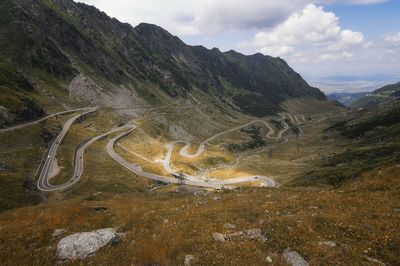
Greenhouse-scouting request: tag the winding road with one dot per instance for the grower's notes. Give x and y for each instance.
(184, 151)
(271, 131)
(43, 181)
(44, 184)
(190, 180)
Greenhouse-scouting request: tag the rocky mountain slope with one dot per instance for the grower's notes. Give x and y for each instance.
(67, 53)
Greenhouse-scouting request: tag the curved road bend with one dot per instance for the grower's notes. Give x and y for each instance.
(44, 185)
(218, 184)
(184, 151)
(43, 182)
(300, 119)
(41, 119)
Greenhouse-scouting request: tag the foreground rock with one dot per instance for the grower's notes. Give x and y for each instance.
(330, 244)
(188, 260)
(81, 245)
(375, 261)
(293, 258)
(247, 234)
(58, 232)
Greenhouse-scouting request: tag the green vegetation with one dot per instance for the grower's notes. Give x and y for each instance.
(21, 154)
(351, 164)
(384, 95)
(256, 140)
(366, 122)
(376, 139)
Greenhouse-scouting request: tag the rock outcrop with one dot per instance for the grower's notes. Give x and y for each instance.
(293, 258)
(255, 234)
(82, 245)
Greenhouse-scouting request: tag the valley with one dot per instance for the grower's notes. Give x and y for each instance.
(123, 145)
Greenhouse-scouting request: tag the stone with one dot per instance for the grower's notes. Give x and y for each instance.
(4, 166)
(268, 259)
(293, 258)
(218, 237)
(82, 245)
(229, 226)
(255, 234)
(375, 261)
(330, 244)
(247, 234)
(188, 259)
(201, 202)
(58, 232)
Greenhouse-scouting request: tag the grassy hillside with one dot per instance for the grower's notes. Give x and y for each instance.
(384, 95)
(375, 143)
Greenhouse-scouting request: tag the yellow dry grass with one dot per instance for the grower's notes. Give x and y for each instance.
(163, 227)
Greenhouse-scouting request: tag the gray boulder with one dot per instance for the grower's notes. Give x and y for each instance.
(218, 237)
(330, 244)
(188, 260)
(81, 245)
(293, 258)
(58, 232)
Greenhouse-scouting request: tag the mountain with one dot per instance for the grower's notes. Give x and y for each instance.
(57, 53)
(381, 96)
(172, 167)
(346, 98)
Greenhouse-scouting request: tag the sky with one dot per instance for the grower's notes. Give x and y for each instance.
(351, 43)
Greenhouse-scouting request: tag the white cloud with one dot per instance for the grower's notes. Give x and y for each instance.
(216, 16)
(208, 17)
(345, 55)
(312, 29)
(301, 31)
(393, 38)
(347, 39)
(277, 50)
(192, 17)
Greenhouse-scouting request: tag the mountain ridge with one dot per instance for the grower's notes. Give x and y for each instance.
(82, 40)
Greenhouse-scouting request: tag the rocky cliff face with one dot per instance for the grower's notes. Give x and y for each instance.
(65, 39)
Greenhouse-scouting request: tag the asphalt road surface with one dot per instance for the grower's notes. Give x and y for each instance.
(218, 184)
(44, 184)
(43, 181)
